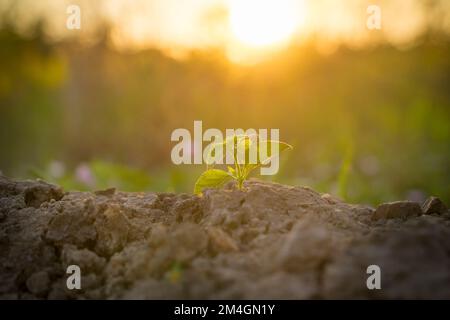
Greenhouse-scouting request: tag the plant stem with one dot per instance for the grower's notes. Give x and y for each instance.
(239, 174)
(240, 183)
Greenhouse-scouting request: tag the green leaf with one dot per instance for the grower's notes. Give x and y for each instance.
(212, 147)
(212, 178)
(282, 146)
(237, 140)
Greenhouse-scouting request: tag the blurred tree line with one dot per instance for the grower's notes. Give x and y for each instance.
(369, 124)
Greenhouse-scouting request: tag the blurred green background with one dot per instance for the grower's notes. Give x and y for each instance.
(368, 124)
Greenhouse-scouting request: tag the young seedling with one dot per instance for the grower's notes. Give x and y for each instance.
(243, 161)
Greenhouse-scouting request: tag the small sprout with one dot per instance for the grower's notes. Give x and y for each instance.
(246, 155)
(174, 273)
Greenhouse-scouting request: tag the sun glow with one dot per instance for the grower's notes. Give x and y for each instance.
(262, 23)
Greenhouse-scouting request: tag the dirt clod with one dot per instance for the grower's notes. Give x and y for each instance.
(434, 205)
(397, 209)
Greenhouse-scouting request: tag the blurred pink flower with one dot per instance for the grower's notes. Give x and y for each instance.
(84, 175)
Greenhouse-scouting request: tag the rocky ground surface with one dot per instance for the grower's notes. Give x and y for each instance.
(270, 241)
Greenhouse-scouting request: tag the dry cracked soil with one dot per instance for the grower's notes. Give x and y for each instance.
(269, 241)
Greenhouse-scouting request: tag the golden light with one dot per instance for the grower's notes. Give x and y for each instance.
(262, 23)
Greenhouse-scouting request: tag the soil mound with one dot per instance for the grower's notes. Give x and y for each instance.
(270, 241)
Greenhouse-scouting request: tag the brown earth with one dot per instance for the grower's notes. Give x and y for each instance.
(269, 241)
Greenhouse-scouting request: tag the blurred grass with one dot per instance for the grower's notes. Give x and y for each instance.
(98, 175)
(369, 125)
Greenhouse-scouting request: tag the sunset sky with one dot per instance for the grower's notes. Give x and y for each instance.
(243, 28)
